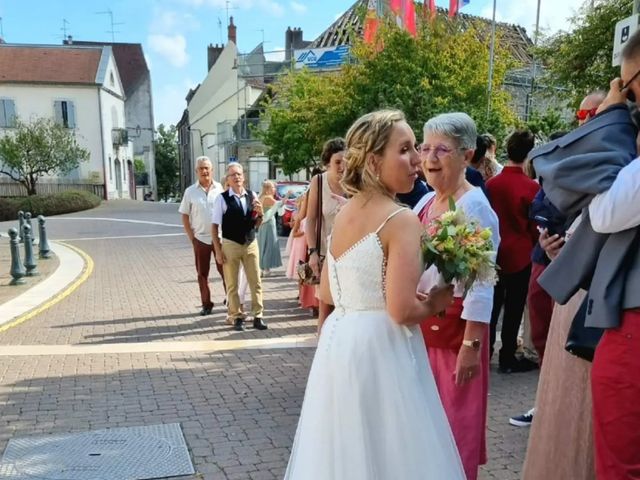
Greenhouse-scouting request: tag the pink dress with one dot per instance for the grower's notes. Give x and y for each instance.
(465, 406)
(297, 252)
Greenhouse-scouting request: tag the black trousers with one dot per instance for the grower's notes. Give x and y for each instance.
(510, 292)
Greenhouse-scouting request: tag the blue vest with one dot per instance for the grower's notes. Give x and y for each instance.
(238, 226)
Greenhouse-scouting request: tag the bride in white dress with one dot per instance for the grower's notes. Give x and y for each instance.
(371, 409)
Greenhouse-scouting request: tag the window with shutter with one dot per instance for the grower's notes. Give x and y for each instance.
(65, 113)
(7, 113)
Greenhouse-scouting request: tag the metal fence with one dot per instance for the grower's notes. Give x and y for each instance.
(15, 189)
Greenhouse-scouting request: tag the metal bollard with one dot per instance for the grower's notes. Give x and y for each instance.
(17, 269)
(45, 251)
(29, 261)
(27, 219)
(20, 224)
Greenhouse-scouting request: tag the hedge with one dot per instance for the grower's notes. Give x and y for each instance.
(47, 205)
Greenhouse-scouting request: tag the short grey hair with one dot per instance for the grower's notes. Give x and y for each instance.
(458, 126)
(202, 159)
(235, 164)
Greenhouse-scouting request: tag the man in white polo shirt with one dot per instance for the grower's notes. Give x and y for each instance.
(196, 209)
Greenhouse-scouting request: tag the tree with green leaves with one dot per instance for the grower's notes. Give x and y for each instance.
(167, 165)
(39, 148)
(580, 60)
(444, 69)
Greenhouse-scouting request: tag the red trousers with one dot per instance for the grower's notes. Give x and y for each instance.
(615, 387)
(540, 306)
(203, 253)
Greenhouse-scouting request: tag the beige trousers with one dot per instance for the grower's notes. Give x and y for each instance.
(249, 257)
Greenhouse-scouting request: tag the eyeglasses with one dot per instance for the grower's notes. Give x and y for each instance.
(584, 114)
(630, 95)
(236, 174)
(439, 151)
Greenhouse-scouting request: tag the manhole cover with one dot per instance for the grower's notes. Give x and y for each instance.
(115, 454)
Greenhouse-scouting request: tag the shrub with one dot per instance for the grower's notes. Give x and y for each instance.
(48, 205)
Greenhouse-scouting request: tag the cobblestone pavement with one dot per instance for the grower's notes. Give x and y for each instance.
(238, 409)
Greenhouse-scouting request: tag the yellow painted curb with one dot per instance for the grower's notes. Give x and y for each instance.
(88, 269)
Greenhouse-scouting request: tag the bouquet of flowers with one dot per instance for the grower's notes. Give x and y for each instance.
(460, 249)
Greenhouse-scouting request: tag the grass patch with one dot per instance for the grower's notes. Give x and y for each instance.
(48, 205)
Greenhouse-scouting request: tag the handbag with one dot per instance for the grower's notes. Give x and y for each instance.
(445, 331)
(305, 272)
(582, 340)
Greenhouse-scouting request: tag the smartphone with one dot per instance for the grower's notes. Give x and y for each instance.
(545, 223)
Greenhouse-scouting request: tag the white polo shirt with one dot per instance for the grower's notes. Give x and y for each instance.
(198, 204)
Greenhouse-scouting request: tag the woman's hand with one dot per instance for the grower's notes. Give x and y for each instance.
(467, 365)
(439, 298)
(551, 244)
(314, 263)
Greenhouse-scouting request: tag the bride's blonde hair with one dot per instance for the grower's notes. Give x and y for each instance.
(369, 135)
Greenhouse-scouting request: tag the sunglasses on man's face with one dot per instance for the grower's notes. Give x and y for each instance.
(630, 95)
(584, 114)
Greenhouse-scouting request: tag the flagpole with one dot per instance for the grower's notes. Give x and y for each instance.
(491, 58)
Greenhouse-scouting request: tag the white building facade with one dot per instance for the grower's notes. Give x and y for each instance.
(80, 88)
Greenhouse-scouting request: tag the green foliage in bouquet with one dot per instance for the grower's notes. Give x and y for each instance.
(461, 250)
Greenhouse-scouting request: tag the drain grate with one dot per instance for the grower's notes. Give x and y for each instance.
(134, 453)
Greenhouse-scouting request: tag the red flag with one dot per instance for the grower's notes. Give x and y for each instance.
(434, 10)
(429, 10)
(396, 6)
(455, 6)
(371, 22)
(410, 17)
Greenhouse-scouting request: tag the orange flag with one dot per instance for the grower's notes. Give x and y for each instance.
(371, 22)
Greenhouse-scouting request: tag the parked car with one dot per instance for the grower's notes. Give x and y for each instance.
(284, 217)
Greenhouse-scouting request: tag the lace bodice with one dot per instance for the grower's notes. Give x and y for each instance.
(357, 277)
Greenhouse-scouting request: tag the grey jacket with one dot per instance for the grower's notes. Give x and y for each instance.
(573, 169)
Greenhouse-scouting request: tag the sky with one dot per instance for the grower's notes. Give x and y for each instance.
(175, 33)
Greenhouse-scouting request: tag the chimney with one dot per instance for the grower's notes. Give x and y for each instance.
(288, 36)
(213, 53)
(232, 33)
(296, 39)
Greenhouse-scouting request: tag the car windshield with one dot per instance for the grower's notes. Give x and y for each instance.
(295, 189)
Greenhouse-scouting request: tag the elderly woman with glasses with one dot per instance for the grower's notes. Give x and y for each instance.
(457, 344)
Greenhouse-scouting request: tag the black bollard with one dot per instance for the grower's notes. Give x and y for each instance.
(17, 269)
(27, 219)
(29, 261)
(20, 224)
(45, 251)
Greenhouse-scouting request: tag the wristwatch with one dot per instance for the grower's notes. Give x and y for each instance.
(312, 250)
(475, 344)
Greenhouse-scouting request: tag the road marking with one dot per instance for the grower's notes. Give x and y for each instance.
(181, 234)
(123, 220)
(308, 341)
(79, 280)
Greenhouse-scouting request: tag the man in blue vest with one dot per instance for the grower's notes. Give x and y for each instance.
(239, 213)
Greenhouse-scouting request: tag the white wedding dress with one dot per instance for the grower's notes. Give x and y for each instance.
(371, 410)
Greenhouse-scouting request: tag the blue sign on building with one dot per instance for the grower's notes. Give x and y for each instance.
(322, 58)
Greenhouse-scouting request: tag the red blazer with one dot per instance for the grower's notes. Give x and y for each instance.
(511, 193)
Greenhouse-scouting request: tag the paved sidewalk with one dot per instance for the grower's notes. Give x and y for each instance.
(127, 348)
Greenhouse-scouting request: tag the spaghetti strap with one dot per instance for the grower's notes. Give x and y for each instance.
(389, 218)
